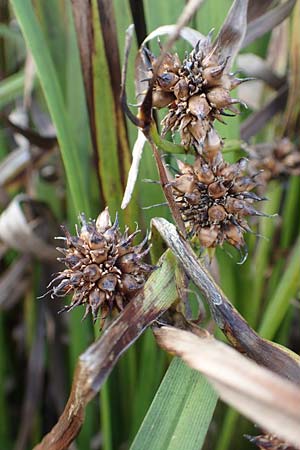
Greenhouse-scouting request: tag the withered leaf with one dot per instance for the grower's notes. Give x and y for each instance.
(266, 398)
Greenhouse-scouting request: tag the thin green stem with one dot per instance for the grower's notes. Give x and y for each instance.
(267, 227)
(286, 290)
(227, 429)
(106, 417)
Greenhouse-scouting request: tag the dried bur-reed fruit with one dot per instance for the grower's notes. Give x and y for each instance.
(214, 198)
(270, 442)
(104, 270)
(274, 160)
(196, 91)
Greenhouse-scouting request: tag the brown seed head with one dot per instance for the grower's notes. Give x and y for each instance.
(214, 199)
(198, 92)
(277, 160)
(270, 442)
(104, 268)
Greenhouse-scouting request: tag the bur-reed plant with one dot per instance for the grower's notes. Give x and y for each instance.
(60, 93)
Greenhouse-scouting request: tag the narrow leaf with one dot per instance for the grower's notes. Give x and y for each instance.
(188, 34)
(137, 152)
(269, 400)
(53, 93)
(20, 223)
(267, 22)
(180, 413)
(233, 30)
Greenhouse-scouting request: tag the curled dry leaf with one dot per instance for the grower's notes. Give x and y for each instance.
(137, 153)
(188, 34)
(95, 364)
(264, 397)
(254, 66)
(256, 9)
(233, 325)
(233, 30)
(25, 226)
(10, 291)
(266, 22)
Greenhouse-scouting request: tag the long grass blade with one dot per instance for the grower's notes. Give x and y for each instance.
(35, 40)
(180, 413)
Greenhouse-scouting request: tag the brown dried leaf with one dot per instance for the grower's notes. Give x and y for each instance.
(254, 66)
(264, 397)
(34, 138)
(233, 30)
(25, 225)
(267, 22)
(257, 9)
(233, 325)
(10, 291)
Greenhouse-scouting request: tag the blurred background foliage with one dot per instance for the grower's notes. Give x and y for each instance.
(66, 145)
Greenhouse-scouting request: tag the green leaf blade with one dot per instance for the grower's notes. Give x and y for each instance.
(180, 414)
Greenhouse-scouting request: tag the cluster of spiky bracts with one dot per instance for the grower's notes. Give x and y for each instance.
(270, 442)
(276, 160)
(215, 198)
(103, 267)
(196, 92)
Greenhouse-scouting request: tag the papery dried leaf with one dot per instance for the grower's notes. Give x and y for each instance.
(14, 282)
(258, 8)
(43, 142)
(13, 166)
(29, 72)
(188, 34)
(267, 22)
(96, 363)
(233, 30)
(255, 66)
(137, 153)
(233, 325)
(269, 400)
(26, 226)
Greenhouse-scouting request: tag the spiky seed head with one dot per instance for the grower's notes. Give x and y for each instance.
(104, 270)
(274, 160)
(196, 91)
(214, 199)
(270, 442)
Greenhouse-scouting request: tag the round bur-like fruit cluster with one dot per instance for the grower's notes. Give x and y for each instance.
(270, 442)
(214, 199)
(196, 91)
(276, 160)
(104, 270)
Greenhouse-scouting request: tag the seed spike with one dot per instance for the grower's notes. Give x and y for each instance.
(97, 262)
